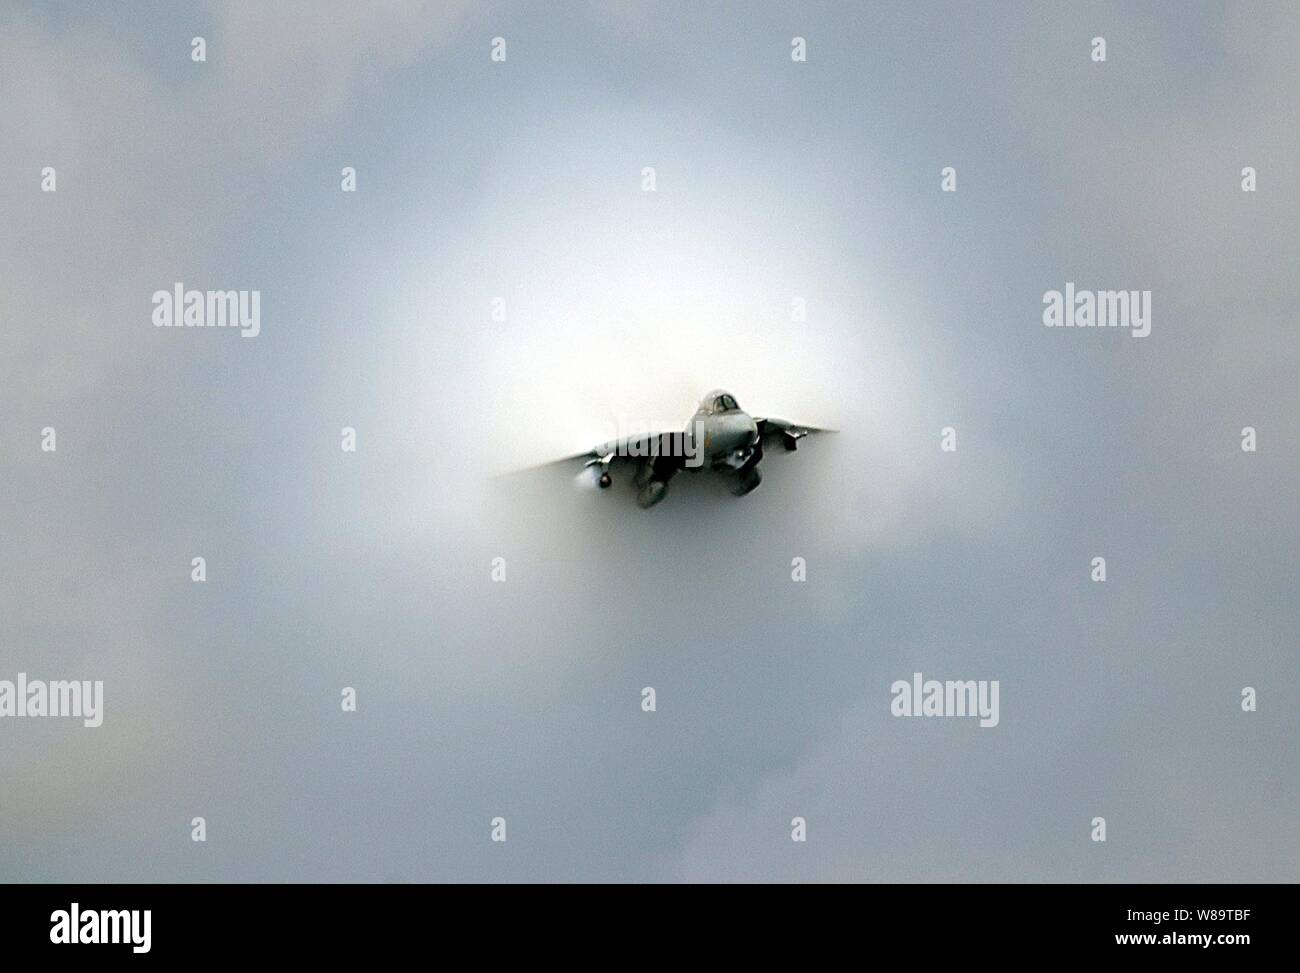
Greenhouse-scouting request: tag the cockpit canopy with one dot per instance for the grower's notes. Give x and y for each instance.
(719, 400)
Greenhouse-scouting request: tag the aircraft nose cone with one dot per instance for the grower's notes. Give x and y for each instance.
(744, 433)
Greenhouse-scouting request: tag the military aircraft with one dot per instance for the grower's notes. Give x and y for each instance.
(720, 437)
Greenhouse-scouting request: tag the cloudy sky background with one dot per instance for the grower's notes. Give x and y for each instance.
(523, 180)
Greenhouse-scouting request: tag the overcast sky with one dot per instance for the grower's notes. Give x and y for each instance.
(523, 180)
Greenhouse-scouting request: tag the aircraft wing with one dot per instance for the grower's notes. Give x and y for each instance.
(634, 448)
(642, 446)
(784, 431)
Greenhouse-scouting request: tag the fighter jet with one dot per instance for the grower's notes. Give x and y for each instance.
(721, 437)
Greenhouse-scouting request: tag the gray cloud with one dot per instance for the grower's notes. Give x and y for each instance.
(522, 181)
